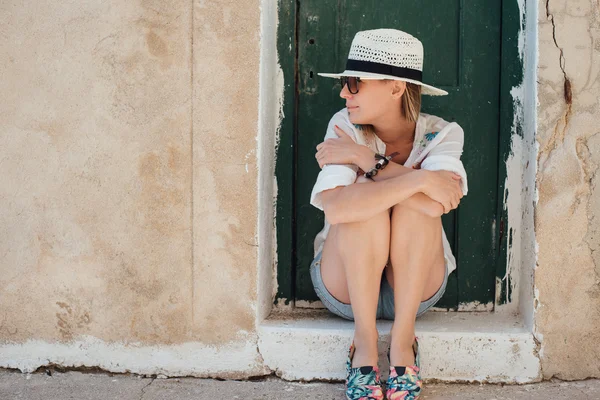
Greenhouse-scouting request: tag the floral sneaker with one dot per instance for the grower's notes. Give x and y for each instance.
(362, 383)
(404, 383)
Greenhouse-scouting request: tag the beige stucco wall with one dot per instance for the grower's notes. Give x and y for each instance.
(129, 180)
(115, 116)
(567, 216)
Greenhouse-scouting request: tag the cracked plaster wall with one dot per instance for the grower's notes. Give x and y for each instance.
(128, 171)
(567, 217)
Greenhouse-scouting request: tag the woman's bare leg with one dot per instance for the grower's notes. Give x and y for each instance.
(352, 263)
(418, 269)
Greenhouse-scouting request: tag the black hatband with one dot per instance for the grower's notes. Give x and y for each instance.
(385, 69)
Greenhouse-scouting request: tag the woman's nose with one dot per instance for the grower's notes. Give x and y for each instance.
(345, 93)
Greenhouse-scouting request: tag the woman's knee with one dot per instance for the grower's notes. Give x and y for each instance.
(412, 229)
(401, 211)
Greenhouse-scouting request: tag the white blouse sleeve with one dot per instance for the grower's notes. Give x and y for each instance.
(446, 155)
(333, 175)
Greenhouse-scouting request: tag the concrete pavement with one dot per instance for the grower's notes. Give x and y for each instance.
(78, 385)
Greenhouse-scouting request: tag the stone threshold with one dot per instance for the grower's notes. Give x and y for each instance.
(482, 347)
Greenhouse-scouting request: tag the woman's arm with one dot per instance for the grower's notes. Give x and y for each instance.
(419, 201)
(360, 202)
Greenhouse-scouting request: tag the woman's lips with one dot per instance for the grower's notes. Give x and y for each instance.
(352, 108)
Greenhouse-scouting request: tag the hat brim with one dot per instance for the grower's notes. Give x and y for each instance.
(426, 89)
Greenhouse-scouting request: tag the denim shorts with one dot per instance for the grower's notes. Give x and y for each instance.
(385, 304)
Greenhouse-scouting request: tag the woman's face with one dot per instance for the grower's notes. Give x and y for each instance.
(375, 98)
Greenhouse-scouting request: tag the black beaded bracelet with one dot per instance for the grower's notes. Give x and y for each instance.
(382, 162)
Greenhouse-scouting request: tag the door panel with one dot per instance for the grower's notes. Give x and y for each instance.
(462, 56)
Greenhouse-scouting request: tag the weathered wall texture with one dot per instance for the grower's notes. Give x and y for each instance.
(568, 211)
(226, 65)
(113, 115)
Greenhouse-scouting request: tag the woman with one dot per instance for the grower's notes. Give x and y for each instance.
(383, 252)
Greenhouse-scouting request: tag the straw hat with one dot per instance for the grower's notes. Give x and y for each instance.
(387, 54)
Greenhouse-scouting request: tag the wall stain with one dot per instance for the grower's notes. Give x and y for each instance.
(156, 45)
(71, 319)
(161, 190)
(7, 327)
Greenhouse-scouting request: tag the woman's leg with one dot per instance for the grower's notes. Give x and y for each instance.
(417, 270)
(352, 263)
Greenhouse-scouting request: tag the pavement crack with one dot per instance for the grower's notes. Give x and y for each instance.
(145, 387)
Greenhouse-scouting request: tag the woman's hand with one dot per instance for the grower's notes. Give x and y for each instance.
(340, 150)
(442, 186)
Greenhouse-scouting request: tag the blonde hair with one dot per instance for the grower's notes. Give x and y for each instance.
(411, 101)
(410, 108)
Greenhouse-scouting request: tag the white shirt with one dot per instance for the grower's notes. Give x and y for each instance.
(438, 145)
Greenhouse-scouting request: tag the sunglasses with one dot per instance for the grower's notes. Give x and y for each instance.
(352, 82)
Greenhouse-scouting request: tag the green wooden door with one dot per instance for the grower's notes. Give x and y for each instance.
(462, 44)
